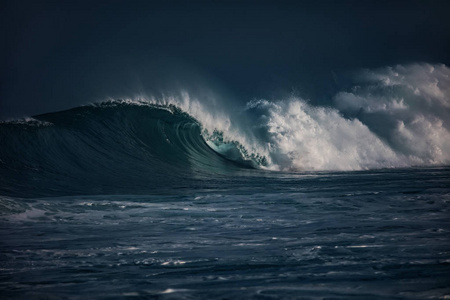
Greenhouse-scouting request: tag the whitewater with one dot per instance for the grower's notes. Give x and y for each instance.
(185, 196)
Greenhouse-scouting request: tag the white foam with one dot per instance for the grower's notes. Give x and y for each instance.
(27, 121)
(302, 137)
(395, 117)
(408, 107)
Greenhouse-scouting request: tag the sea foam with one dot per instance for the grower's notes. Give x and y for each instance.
(390, 117)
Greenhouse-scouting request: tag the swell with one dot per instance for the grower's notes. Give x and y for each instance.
(111, 147)
(393, 117)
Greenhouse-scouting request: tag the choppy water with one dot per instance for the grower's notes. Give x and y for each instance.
(135, 200)
(363, 235)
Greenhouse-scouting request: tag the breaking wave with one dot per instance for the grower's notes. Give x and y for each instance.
(392, 117)
(389, 117)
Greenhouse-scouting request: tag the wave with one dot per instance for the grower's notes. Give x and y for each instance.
(387, 118)
(116, 143)
(394, 117)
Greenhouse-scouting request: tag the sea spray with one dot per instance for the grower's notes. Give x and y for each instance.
(303, 137)
(170, 198)
(390, 117)
(406, 106)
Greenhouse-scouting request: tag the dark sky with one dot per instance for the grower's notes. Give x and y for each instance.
(59, 54)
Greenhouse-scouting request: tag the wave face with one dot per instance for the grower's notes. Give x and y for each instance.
(391, 117)
(105, 147)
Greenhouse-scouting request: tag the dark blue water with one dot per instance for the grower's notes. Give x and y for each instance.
(144, 209)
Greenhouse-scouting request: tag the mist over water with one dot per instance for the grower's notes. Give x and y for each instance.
(187, 195)
(390, 117)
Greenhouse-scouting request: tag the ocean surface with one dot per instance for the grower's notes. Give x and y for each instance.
(138, 200)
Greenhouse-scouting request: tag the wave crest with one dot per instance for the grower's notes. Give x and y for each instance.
(391, 117)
